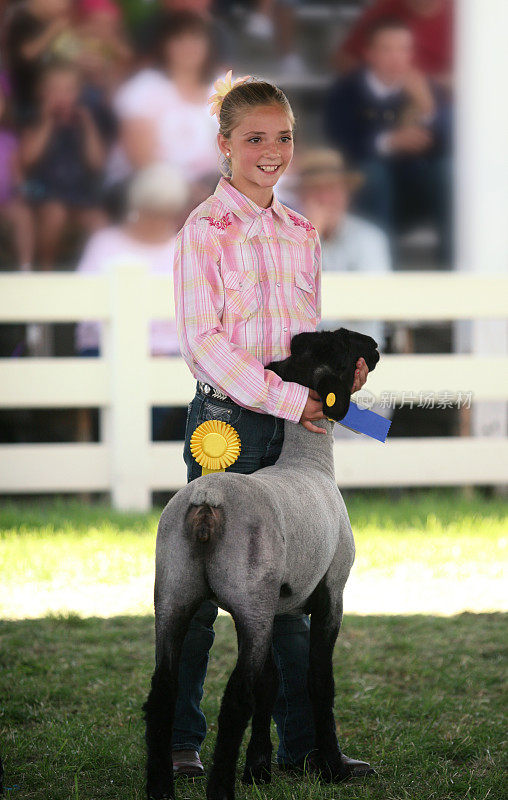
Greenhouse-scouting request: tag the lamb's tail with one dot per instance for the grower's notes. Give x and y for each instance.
(204, 521)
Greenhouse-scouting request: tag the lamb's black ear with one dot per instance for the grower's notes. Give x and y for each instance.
(302, 342)
(359, 339)
(280, 368)
(371, 358)
(365, 346)
(335, 396)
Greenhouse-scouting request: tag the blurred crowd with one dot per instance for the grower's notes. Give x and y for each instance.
(107, 143)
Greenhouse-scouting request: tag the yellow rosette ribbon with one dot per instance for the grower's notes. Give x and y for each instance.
(222, 86)
(215, 445)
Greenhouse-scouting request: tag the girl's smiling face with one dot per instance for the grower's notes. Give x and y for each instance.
(260, 148)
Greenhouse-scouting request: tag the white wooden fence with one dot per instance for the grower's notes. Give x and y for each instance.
(125, 382)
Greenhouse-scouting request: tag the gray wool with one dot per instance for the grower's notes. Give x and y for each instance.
(284, 524)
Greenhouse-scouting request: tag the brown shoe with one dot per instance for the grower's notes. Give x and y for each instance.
(187, 763)
(352, 768)
(357, 769)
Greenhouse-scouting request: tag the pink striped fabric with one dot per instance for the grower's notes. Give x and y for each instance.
(246, 279)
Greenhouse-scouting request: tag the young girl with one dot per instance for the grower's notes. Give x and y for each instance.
(247, 279)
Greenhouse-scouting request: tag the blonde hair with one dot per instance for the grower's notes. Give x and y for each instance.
(243, 98)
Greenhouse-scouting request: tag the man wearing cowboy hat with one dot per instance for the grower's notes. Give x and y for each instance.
(349, 243)
(324, 187)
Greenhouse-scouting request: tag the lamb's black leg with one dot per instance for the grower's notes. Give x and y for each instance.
(258, 763)
(159, 712)
(324, 628)
(159, 707)
(236, 708)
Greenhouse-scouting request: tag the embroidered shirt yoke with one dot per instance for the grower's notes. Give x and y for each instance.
(246, 280)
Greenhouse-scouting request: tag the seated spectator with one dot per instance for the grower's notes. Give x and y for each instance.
(62, 155)
(431, 23)
(146, 32)
(394, 126)
(104, 57)
(136, 12)
(13, 210)
(157, 196)
(104, 52)
(164, 114)
(277, 20)
(348, 243)
(36, 29)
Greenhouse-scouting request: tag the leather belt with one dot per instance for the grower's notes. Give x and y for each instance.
(210, 391)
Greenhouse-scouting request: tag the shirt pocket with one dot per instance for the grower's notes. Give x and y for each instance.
(241, 293)
(305, 293)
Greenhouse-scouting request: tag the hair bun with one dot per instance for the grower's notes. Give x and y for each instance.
(222, 86)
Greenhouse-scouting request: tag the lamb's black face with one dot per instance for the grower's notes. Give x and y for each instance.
(339, 349)
(353, 345)
(326, 361)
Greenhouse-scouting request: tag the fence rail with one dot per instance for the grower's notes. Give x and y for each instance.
(125, 382)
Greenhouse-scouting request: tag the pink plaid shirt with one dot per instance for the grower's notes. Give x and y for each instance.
(246, 279)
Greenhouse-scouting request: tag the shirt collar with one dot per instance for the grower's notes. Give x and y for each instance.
(250, 213)
(379, 88)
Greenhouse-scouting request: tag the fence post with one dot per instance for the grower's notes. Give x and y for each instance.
(481, 185)
(127, 426)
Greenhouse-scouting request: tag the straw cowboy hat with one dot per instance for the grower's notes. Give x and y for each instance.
(323, 165)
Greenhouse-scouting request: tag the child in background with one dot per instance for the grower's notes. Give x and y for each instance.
(35, 30)
(104, 52)
(13, 211)
(394, 125)
(63, 155)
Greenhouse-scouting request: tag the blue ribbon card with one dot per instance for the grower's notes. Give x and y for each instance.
(362, 420)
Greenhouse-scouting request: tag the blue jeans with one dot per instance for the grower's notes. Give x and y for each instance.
(261, 436)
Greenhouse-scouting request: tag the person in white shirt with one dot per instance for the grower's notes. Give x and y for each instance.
(157, 196)
(349, 243)
(163, 112)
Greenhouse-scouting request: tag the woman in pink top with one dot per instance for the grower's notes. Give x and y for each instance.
(247, 274)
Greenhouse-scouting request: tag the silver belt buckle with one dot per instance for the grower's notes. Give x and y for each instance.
(212, 391)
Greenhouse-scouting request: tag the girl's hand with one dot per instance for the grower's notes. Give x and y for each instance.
(361, 372)
(313, 410)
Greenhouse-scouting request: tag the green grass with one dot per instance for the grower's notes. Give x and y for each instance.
(418, 696)
(421, 695)
(429, 552)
